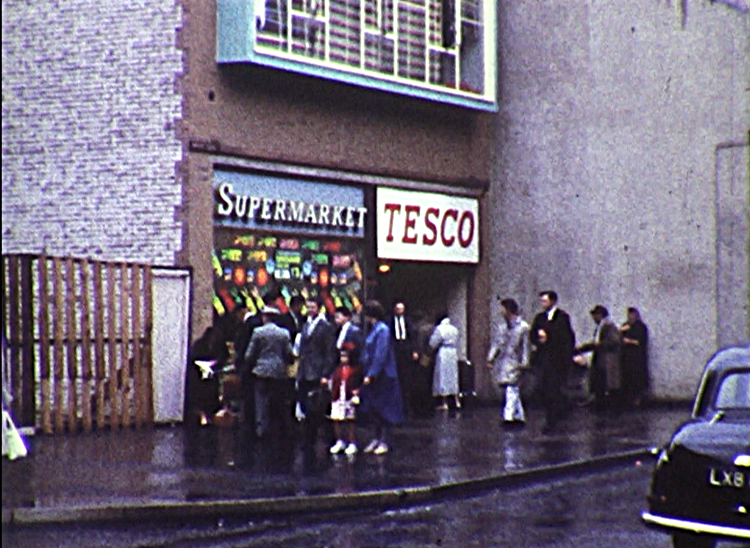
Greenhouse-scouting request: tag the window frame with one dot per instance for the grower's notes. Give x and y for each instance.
(236, 43)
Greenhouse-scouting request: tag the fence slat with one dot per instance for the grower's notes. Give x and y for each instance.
(99, 366)
(14, 335)
(3, 290)
(114, 411)
(148, 324)
(28, 376)
(136, 297)
(59, 404)
(126, 370)
(71, 333)
(86, 348)
(44, 340)
(77, 341)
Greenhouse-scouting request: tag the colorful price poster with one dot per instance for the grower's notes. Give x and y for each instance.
(342, 261)
(289, 244)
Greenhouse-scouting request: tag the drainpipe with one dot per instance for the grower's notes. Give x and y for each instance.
(723, 146)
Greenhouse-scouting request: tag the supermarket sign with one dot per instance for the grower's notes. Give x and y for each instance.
(279, 204)
(423, 226)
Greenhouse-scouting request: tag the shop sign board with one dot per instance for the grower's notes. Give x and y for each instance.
(266, 202)
(425, 226)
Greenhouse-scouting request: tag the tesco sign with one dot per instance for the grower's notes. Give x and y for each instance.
(423, 226)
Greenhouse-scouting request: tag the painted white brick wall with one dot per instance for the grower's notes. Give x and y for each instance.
(88, 129)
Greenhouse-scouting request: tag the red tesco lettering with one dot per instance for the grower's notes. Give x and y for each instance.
(450, 225)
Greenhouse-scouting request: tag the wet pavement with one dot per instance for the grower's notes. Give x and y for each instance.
(128, 468)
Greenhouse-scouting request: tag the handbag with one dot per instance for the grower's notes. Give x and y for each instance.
(225, 418)
(13, 445)
(231, 386)
(319, 402)
(292, 368)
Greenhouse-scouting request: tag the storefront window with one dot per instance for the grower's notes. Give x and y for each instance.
(249, 266)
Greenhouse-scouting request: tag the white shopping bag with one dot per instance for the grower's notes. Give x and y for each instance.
(13, 444)
(298, 413)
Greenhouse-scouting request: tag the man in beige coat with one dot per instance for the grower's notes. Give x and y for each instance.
(605, 365)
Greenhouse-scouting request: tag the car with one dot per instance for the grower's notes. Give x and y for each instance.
(700, 487)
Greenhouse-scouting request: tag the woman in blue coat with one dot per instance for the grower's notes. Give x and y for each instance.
(380, 394)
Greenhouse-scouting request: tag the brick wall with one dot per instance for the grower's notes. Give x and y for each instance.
(88, 129)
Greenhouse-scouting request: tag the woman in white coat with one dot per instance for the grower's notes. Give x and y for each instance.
(508, 357)
(443, 342)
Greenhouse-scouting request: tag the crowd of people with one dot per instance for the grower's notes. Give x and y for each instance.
(333, 375)
(615, 360)
(326, 371)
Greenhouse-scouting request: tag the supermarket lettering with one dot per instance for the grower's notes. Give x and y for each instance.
(270, 210)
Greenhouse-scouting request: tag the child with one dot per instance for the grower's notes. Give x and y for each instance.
(346, 382)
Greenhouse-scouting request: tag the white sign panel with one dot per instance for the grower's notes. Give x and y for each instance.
(171, 302)
(422, 226)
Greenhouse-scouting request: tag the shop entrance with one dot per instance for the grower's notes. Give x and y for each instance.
(427, 290)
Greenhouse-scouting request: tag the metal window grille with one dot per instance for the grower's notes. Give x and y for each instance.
(411, 41)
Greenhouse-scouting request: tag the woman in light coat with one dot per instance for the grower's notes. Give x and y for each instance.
(508, 357)
(443, 341)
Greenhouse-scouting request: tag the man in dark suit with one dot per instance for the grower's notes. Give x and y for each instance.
(347, 333)
(293, 320)
(406, 354)
(316, 364)
(554, 341)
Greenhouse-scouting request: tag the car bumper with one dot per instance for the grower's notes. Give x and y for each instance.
(693, 526)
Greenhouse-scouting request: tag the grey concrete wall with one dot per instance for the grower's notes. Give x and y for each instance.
(88, 119)
(733, 242)
(605, 184)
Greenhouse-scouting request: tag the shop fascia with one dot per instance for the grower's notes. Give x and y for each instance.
(273, 210)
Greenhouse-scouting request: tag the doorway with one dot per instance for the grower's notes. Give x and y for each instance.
(428, 289)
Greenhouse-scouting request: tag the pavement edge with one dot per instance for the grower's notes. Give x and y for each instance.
(387, 498)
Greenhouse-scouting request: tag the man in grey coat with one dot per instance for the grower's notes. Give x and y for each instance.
(268, 354)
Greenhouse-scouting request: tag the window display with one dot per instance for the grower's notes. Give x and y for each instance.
(249, 266)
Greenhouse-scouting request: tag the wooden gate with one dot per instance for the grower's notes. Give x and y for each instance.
(78, 338)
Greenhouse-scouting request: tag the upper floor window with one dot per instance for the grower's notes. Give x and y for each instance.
(437, 49)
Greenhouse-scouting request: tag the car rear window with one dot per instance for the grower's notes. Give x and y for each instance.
(734, 391)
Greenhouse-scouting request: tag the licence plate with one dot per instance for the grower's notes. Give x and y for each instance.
(727, 478)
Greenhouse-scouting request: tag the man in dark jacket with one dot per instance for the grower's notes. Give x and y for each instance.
(554, 341)
(407, 357)
(316, 364)
(347, 332)
(293, 320)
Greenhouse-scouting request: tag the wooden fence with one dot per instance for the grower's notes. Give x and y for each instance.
(78, 338)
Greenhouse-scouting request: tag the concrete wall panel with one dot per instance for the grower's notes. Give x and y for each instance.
(605, 171)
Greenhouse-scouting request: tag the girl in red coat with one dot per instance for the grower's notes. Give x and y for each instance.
(346, 381)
